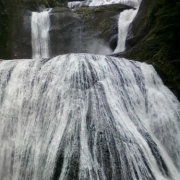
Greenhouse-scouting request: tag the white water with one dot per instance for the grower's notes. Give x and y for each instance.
(81, 116)
(125, 19)
(40, 24)
(132, 3)
(74, 4)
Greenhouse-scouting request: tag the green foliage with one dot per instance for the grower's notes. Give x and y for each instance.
(100, 17)
(161, 45)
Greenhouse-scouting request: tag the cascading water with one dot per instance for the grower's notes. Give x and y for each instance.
(81, 116)
(125, 19)
(85, 117)
(106, 2)
(133, 3)
(40, 34)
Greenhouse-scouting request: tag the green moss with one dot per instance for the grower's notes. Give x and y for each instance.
(160, 46)
(8, 13)
(100, 17)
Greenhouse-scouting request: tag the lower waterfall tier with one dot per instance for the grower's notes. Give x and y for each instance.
(87, 117)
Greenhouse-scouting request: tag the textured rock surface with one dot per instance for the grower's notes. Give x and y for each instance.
(138, 29)
(65, 31)
(91, 30)
(21, 36)
(155, 38)
(100, 24)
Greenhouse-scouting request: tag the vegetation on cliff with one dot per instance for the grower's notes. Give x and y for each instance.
(101, 18)
(160, 45)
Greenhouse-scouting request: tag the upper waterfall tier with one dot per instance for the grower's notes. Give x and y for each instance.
(82, 116)
(125, 19)
(40, 24)
(104, 2)
(133, 3)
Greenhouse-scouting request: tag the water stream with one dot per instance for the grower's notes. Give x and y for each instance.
(125, 19)
(81, 116)
(40, 24)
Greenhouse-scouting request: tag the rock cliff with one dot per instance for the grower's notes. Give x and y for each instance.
(154, 38)
(86, 29)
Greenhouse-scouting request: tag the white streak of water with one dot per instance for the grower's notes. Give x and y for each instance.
(125, 19)
(132, 3)
(40, 24)
(81, 116)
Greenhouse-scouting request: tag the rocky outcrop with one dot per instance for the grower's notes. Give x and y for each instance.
(65, 31)
(154, 38)
(20, 44)
(85, 29)
(100, 26)
(138, 28)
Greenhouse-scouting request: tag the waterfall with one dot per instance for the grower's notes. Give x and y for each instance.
(83, 116)
(40, 34)
(133, 3)
(125, 19)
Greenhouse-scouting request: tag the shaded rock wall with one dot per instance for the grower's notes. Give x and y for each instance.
(154, 38)
(138, 28)
(64, 31)
(87, 29)
(84, 30)
(100, 26)
(11, 36)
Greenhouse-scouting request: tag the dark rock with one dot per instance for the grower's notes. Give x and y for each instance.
(64, 31)
(87, 30)
(19, 43)
(100, 27)
(137, 29)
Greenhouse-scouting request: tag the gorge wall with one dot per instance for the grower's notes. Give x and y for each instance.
(81, 31)
(154, 36)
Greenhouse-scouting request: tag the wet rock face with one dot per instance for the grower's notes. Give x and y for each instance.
(65, 31)
(138, 29)
(100, 26)
(21, 47)
(87, 30)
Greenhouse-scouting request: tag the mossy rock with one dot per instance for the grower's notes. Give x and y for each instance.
(101, 19)
(157, 40)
